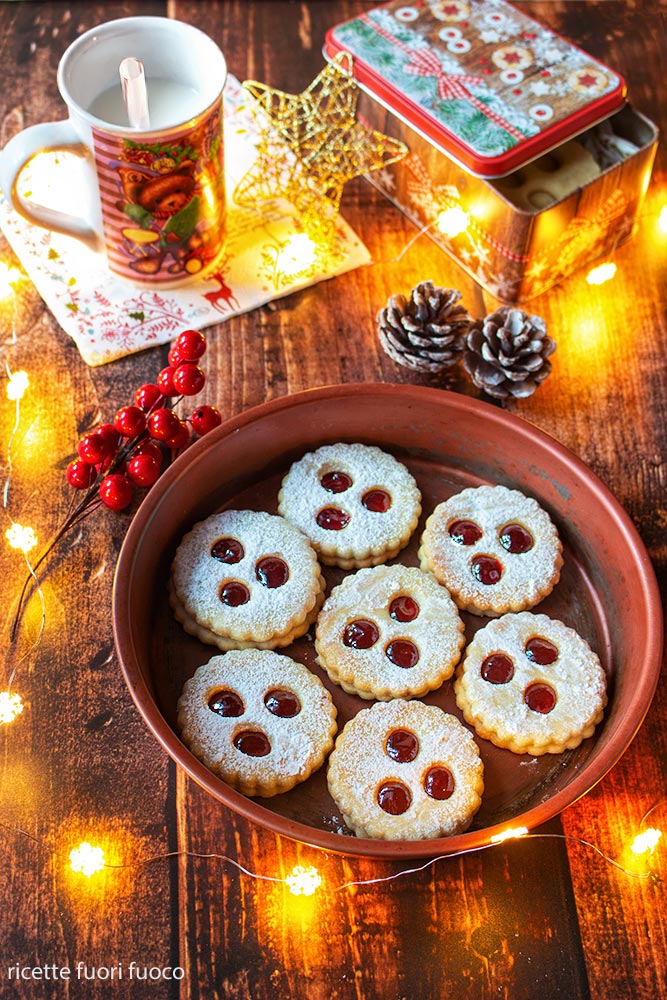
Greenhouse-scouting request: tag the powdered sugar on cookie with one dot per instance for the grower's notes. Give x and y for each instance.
(389, 632)
(357, 504)
(531, 684)
(495, 549)
(402, 770)
(246, 575)
(258, 720)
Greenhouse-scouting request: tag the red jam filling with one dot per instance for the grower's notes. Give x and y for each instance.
(394, 797)
(335, 482)
(282, 703)
(465, 532)
(378, 501)
(540, 698)
(540, 650)
(497, 669)
(227, 550)
(272, 571)
(332, 519)
(439, 782)
(234, 593)
(486, 570)
(515, 538)
(226, 703)
(402, 745)
(361, 634)
(404, 609)
(403, 653)
(252, 743)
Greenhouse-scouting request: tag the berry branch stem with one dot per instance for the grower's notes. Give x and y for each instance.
(115, 458)
(88, 503)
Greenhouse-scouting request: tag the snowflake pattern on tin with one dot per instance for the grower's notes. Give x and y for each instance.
(477, 76)
(539, 88)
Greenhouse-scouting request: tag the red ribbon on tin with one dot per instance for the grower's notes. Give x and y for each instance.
(424, 62)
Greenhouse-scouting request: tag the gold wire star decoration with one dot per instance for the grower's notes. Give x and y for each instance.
(310, 144)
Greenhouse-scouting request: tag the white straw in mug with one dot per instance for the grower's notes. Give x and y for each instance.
(133, 83)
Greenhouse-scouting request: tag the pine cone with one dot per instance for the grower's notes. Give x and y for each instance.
(506, 353)
(426, 331)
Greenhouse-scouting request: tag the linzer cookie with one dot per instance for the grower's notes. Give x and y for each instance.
(258, 720)
(389, 632)
(403, 770)
(246, 578)
(531, 684)
(494, 549)
(357, 504)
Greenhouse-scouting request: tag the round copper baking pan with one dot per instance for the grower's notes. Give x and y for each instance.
(607, 589)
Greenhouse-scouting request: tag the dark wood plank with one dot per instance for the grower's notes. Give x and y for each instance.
(469, 927)
(616, 422)
(69, 764)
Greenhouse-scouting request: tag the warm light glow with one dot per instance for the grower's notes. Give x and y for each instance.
(21, 537)
(303, 881)
(452, 222)
(646, 842)
(86, 859)
(55, 178)
(662, 219)
(600, 274)
(17, 385)
(11, 705)
(296, 255)
(509, 834)
(9, 275)
(209, 196)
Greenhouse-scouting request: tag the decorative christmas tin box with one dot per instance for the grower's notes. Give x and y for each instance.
(525, 162)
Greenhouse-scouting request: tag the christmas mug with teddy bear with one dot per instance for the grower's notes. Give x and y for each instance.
(155, 194)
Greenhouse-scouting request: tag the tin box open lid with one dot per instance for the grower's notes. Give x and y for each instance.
(489, 86)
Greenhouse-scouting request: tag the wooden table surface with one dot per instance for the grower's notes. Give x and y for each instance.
(543, 918)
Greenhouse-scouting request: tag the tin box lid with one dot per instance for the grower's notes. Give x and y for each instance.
(488, 85)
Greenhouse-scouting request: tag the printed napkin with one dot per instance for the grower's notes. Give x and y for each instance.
(266, 256)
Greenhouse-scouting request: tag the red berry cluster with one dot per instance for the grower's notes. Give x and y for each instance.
(115, 458)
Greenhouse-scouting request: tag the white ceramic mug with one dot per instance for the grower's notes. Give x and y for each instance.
(157, 196)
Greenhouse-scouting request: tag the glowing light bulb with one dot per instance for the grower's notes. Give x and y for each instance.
(86, 859)
(21, 537)
(9, 276)
(296, 255)
(646, 842)
(17, 385)
(509, 834)
(11, 705)
(600, 274)
(662, 219)
(303, 881)
(452, 221)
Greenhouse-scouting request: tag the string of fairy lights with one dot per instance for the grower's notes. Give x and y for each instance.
(306, 880)
(18, 536)
(87, 859)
